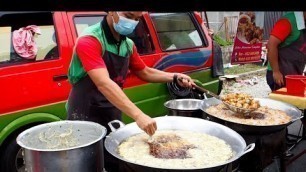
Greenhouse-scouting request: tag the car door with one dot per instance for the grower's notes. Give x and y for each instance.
(29, 83)
(183, 43)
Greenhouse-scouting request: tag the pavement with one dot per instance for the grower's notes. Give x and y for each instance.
(254, 83)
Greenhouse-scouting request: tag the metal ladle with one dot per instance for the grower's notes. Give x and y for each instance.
(229, 106)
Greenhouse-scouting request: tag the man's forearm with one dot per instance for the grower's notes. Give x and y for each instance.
(273, 58)
(272, 46)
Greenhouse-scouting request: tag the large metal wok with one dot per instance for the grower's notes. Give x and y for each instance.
(291, 110)
(236, 142)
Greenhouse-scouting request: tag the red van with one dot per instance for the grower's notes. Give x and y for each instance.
(35, 91)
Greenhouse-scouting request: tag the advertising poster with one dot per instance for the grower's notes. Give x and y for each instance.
(248, 41)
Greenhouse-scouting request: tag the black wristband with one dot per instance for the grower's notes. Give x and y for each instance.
(176, 82)
(175, 78)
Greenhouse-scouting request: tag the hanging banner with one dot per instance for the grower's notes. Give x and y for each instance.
(248, 41)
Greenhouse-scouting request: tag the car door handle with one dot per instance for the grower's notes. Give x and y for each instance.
(60, 77)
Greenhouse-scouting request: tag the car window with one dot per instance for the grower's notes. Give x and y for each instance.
(142, 39)
(45, 41)
(140, 36)
(176, 31)
(81, 22)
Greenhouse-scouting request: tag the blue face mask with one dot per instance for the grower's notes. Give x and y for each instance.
(124, 26)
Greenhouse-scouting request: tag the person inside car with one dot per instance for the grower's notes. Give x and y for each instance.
(102, 57)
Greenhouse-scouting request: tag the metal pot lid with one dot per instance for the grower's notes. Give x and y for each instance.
(61, 135)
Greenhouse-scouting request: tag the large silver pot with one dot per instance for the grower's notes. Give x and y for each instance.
(86, 155)
(236, 142)
(184, 107)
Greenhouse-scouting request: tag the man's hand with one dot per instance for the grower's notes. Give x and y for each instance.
(146, 123)
(278, 78)
(185, 80)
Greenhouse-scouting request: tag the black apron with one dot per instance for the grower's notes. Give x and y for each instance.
(87, 103)
(291, 60)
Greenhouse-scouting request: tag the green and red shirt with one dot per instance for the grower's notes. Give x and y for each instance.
(91, 46)
(286, 30)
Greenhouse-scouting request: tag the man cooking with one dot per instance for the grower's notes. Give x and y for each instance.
(100, 63)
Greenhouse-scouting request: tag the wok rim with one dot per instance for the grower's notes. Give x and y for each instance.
(235, 157)
(22, 134)
(300, 114)
(249, 125)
